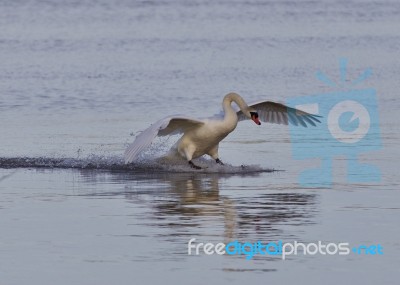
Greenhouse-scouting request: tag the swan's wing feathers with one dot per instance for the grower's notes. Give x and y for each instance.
(177, 125)
(167, 126)
(277, 113)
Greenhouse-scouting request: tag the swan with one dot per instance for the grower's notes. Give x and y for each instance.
(203, 136)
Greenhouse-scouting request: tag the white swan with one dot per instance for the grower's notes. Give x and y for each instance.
(203, 136)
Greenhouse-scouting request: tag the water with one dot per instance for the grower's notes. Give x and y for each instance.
(79, 79)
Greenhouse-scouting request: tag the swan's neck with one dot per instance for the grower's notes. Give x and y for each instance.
(230, 117)
(227, 104)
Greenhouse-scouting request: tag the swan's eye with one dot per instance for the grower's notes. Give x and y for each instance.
(254, 115)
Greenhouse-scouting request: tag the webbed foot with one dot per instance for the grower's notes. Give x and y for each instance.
(192, 165)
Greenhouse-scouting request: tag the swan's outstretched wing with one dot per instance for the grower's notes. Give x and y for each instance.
(277, 113)
(167, 126)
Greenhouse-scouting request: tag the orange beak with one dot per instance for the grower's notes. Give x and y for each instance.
(255, 119)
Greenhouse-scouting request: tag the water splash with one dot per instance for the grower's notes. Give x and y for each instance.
(163, 164)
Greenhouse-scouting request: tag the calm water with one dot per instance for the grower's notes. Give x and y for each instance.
(79, 79)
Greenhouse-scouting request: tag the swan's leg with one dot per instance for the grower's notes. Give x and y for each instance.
(214, 154)
(188, 152)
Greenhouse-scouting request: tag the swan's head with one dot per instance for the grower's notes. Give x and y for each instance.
(254, 117)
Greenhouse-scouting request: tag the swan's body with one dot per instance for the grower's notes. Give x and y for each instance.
(203, 136)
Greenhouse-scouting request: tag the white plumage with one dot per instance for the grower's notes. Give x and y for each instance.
(203, 136)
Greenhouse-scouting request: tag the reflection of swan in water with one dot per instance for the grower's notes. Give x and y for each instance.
(191, 204)
(198, 198)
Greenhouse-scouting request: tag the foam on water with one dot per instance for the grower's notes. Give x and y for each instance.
(159, 157)
(163, 164)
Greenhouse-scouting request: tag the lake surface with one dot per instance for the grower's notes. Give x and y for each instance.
(78, 81)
